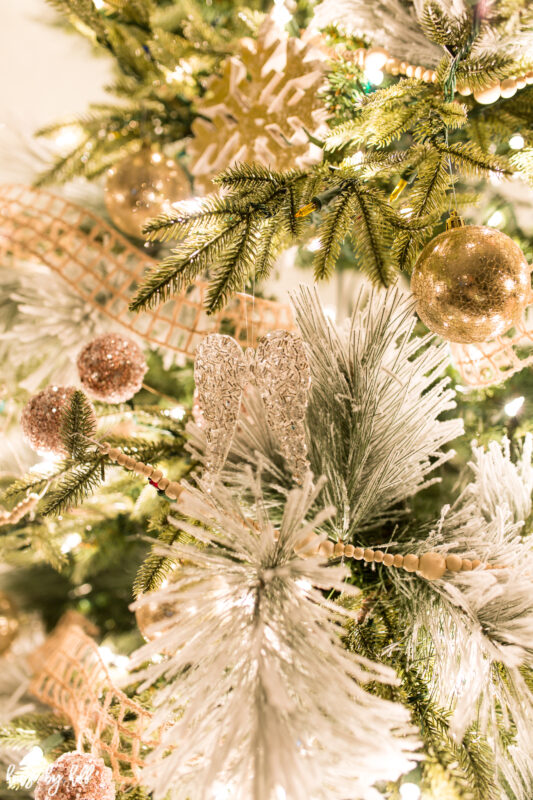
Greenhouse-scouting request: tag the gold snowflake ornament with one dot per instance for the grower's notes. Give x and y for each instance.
(260, 108)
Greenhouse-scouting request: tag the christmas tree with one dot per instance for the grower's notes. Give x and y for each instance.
(254, 547)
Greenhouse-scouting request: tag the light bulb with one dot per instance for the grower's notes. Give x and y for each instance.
(314, 244)
(374, 75)
(68, 137)
(70, 542)
(513, 406)
(516, 142)
(33, 758)
(495, 219)
(409, 791)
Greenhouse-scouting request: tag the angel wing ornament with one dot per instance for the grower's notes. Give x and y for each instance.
(279, 368)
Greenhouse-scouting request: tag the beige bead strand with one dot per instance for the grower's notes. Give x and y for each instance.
(378, 58)
(172, 489)
(431, 566)
(18, 511)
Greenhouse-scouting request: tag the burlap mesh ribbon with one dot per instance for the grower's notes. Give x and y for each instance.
(103, 268)
(70, 676)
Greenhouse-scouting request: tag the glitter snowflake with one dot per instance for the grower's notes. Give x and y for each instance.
(261, 108)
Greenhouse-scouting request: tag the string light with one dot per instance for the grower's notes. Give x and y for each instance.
(409, 791)
(374, 76)
(313, 245)
(70, 542)
(513, 406)
(68, 137)
(495, 219)
(280, 13)
(516, 142)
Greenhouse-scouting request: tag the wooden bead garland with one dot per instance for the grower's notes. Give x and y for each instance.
(430, 566)
(172, 489)
(378, 58)
(16, 513)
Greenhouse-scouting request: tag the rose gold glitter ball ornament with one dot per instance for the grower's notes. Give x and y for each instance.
(42, 417)
(9, 622)
(142, 186)
(111, 368)
(471, 283)
(76, 776)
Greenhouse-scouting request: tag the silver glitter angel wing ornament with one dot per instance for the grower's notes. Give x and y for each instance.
(280, 370)
(220, 373)
(283, 376)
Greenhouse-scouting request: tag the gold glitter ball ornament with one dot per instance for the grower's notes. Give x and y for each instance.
(9, 622)
(471, 283)
(152, 613)
(76, 776)
(142, 186)
(42, 417)
(111, 368)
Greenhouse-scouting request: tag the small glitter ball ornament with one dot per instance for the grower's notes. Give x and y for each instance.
(42, 417)
(152, 613)
(76, 776)
(9, 622)
(111, 368)
(471, 282)
(141, 187)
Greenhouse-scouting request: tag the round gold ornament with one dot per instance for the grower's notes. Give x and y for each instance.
(471, 283)
(9, 622)
(152, 613)
(142, 186)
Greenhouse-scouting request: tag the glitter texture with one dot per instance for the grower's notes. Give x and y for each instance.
(471, 283)
(142, 186)
(111, 368)
(76, 776)
(280, 370)
(42, 417)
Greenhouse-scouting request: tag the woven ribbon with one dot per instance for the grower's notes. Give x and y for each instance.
(104, 269)
(70, 676)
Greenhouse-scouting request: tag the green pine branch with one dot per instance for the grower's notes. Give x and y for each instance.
(78, 425)
(156, 567)
(425, 200)
(227, 235)
(73, 487)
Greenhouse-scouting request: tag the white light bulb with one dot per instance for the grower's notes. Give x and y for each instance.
(176, 413)
(374, 75)
(516, 142)
(314, 244)
(409, 791)
(330, 312)
(35, 756)
(70, 542)
(495, 219)
(68, 137)
(513, 406)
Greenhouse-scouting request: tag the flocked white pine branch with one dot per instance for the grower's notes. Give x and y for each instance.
(479, 624)
(373, 421)
(260, 701)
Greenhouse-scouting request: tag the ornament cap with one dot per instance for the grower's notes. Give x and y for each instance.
(454, 221)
